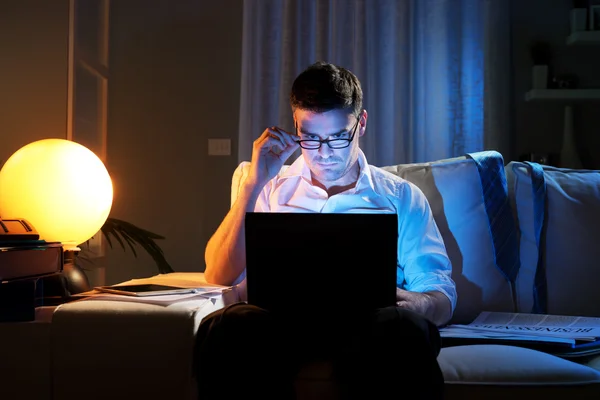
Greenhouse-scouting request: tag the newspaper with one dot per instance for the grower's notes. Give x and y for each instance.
(523, 326)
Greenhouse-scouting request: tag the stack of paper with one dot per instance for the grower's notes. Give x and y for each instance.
(203, 291)
(180, 279)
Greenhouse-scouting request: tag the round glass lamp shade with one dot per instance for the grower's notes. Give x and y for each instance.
(61, 187)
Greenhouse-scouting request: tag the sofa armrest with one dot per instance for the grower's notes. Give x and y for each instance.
(124, 349)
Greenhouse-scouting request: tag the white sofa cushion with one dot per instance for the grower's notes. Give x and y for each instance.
(454, 191)
(569, 247)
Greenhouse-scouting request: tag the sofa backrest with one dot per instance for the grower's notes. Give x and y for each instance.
(455, 193)
(565, 257)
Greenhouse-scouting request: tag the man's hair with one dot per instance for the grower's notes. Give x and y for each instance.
(323, 87)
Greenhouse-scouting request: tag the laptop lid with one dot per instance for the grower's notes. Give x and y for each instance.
(313, 264)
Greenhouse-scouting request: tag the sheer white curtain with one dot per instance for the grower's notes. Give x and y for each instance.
(435, 73)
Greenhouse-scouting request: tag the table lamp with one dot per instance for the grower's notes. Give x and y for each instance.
(62, 189)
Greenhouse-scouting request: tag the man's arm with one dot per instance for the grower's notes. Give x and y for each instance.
(424, 263)
(225, 253)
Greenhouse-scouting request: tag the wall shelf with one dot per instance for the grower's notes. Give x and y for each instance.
(563, 94)
(584, 37)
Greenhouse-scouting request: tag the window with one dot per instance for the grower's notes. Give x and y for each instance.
(88, 74)
(87, 102)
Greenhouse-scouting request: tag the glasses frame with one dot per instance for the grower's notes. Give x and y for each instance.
(328, 141)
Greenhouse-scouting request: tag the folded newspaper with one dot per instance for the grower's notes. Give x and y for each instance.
(560, 330)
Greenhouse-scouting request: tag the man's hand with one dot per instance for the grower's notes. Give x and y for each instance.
(434, 306)
(414, 301)
(269, 152)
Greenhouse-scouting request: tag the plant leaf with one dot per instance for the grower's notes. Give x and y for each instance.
(133, 235)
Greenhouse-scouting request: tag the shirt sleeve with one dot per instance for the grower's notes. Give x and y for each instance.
(239, 176)
(423, 261)
(262, 204)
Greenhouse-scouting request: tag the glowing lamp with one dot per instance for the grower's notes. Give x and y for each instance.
(61, 187)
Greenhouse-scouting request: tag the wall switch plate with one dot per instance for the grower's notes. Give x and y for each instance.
(219, 147)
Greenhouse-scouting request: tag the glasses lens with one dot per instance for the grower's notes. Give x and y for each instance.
(310, 144)
(339, 143)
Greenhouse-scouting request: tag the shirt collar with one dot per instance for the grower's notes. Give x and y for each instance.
(300, 169)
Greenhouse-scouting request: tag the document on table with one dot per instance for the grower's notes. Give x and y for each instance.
(203, 290)
(162, 300)
(182, 280)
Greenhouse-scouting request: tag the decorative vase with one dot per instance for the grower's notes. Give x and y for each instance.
(569, 157)
(578, 19)
(539, 77)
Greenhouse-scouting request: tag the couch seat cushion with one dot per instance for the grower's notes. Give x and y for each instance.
(497, 372)
(486, 372)
(593, 362)
(511, 365)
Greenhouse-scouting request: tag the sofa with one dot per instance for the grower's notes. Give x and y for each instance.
(547, 225)
(542, 258)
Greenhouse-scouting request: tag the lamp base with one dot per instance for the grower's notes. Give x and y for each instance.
(75, 278)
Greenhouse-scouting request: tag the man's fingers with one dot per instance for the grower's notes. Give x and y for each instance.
(262, 138)
(287, 137)
(276, 133)
(268, 140)
(287, 152)
(277, 141)
(400, 294)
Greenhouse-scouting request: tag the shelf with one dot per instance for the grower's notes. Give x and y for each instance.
(584, 37)
(562, 94)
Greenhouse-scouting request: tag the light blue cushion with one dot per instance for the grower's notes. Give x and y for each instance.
(570, 245)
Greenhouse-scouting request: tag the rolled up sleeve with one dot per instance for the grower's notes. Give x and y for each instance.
(423, 263)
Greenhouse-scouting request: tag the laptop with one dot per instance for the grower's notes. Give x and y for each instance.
(326, 267)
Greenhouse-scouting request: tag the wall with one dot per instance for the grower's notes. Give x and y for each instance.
(33, 70)
(539, 125)
(174, 82)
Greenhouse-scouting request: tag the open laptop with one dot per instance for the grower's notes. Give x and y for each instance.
(325, 267)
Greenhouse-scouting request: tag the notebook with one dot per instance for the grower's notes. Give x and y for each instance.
(325, 267)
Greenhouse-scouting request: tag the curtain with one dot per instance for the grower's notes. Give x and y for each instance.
(435, 73)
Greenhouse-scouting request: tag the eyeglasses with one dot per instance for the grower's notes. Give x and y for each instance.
(332, 143)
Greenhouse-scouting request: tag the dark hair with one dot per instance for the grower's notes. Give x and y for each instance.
(324, 87)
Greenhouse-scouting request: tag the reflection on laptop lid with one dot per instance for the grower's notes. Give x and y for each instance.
(312, 264)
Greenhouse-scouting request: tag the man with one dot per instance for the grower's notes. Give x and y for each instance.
(242, 350)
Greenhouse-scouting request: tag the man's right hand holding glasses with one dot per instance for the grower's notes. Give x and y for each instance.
(269, 152)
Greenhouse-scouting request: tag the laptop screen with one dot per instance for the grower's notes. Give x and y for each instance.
(312, 263)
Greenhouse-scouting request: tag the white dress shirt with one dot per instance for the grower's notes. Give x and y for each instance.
(423, 264)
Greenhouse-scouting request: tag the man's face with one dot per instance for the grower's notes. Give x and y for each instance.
(330, 167)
